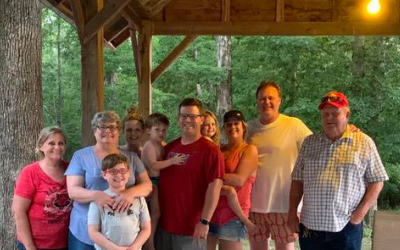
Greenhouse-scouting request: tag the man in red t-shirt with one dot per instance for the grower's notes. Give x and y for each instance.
(189, 192)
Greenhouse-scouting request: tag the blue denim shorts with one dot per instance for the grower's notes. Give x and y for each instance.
(234, 230)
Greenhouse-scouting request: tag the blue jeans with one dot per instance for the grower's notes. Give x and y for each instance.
(234, 230)
(75, 244)
(350, 238)
(170, 241)
(20, 246)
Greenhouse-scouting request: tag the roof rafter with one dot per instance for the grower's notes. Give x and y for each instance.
(79, 17)
(103, 17)
(276, 28)
(133, 18)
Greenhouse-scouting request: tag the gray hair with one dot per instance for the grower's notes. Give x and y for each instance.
(44, 135)
(105, 117)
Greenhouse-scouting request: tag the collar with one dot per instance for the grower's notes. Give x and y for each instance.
(346, 137)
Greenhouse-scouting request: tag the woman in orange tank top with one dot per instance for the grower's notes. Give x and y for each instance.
(230, 222)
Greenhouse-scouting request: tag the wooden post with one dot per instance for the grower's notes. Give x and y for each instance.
(92, 74)
(144, 88)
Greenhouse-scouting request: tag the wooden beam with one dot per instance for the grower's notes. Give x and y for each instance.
(280, 10)
(133, 18)
(276, 28)
(226, 11)
(136, 54)
(103, 18)
(144, 88)
(158, 6)
(172, 57)
(60, 10)
(79, 17)
(92, 60)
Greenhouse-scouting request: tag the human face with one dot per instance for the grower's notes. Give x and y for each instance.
(209, 127)
(190, 121)
(54, 147)
(233, 129)
(268, 102)
(115, 178)
(334, 121)
(158, 132)
(104, 133)
(133, 132)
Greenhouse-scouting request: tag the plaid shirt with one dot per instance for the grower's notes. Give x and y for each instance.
(335, 176)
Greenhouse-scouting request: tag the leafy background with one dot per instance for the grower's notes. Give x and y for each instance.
(365, 68)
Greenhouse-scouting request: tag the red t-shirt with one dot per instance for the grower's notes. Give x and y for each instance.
(50, 206)
(182, 188)
(223, 213)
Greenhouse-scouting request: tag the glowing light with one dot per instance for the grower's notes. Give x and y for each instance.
(374, 7)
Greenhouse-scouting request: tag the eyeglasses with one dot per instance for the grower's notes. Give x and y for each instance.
(191, 117)
(117, 171)
(111, 128)
(332, 98)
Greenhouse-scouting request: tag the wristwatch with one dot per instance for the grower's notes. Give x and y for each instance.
(204, 222)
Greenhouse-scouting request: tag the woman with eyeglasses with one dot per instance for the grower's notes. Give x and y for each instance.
(41, 205)
(133, 128)
(85, 183)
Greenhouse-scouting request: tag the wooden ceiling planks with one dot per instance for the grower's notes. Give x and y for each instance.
(245, 17)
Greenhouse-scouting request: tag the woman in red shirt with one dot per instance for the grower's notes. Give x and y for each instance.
(41, 205)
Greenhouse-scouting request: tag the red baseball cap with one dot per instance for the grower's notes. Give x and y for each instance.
(336, 99)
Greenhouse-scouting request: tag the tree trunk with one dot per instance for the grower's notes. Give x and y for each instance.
(224, 60)
(59, 74)
(357, 64)
(21, 100)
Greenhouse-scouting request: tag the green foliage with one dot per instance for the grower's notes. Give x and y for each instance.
(365, 68)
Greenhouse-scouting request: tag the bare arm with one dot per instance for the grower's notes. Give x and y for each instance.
(210, 203)
(247, 166)
(77, 192)
(150, 153)
(142, 189)
(20, 207)
(296, 193)
(145, 230)
(370, 197)
(97, 237)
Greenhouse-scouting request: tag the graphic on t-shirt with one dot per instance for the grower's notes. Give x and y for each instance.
(173, 154)
(57, 201)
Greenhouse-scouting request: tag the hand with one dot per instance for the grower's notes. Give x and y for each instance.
(121, 248)
(123, 201)
(293, 223)
(104, 200)
(178, 159)
(356, 217)
(354, 129)
(200, 231)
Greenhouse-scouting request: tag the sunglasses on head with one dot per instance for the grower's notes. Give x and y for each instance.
(332, 98)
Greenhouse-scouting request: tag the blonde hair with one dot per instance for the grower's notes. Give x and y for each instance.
(133, 115)
(217, 136)
(44, 135)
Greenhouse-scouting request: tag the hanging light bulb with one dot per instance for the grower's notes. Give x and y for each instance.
(374, 7)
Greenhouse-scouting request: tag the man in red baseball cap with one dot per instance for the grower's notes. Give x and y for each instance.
(339, 174)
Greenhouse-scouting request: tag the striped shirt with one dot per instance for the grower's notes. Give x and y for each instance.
(335, 176)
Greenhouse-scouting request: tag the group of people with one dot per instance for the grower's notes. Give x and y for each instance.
(201, 192)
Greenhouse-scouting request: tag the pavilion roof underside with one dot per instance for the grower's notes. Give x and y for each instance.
(237, 17)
